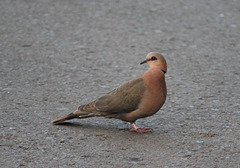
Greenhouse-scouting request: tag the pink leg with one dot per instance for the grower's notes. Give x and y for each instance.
(139, 130)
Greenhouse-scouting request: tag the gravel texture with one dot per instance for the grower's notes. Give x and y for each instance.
(56, 55)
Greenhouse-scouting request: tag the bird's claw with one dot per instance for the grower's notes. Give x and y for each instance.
(140, 130)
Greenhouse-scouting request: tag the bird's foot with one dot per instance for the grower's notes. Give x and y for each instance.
(139, 130)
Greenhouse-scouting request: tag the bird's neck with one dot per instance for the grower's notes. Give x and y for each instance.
(157, 67)
(163, 71)
(154, 75)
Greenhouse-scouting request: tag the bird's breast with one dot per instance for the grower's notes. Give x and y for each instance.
(156, 92)
(154, 80)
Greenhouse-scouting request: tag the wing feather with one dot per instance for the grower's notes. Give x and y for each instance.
(124, 99)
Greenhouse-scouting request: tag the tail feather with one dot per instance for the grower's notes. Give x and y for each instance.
(71, 116)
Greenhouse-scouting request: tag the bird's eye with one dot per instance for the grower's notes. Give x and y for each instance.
(153, 58)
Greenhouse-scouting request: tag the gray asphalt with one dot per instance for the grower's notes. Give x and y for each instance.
(56, 55)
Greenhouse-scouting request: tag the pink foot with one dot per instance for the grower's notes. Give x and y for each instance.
(139, 130)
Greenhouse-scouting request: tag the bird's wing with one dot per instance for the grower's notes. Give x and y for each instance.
(124, 99)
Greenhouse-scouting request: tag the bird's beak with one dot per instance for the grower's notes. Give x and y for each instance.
(145, 61)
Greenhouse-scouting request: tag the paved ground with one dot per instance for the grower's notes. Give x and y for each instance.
(56, 55)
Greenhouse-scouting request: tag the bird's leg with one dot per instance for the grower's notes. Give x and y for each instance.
(139, 130)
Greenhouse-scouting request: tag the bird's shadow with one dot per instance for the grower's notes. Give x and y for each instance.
(91, 126)
(98, 127)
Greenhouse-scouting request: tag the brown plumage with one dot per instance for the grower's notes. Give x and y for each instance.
(136, 99)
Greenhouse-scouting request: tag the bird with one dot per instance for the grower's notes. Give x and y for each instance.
(139, 98)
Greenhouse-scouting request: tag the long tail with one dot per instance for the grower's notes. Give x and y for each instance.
(73, 115)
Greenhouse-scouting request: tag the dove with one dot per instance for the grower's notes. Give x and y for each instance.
(139, 98)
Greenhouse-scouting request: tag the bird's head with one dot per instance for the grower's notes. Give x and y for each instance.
(156, 60)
